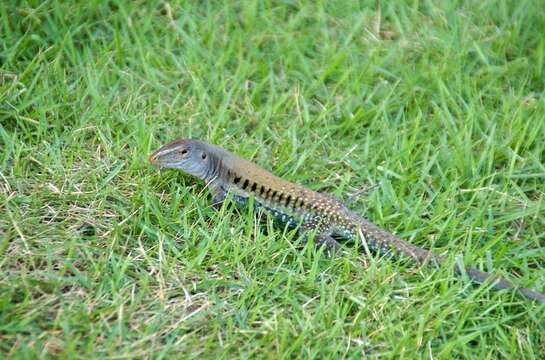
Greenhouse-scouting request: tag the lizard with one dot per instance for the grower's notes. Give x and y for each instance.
(298, 207)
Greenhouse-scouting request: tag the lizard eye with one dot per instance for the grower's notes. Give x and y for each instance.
(203, 156)
(184, 151)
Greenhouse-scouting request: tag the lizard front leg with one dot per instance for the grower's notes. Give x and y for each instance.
(218, 196)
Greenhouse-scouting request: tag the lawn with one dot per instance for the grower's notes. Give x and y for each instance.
(436, 106)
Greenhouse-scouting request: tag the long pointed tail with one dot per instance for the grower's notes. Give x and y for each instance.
(480, 277)
(381, 240)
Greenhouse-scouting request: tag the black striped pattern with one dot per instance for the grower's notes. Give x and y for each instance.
(288, 200)
(264, 192)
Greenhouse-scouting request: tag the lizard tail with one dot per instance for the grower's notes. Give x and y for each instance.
(380, 240)
(480, 277)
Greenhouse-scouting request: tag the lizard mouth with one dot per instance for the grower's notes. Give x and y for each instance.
(154, 158)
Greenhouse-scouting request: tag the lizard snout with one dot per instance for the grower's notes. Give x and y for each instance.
(153, 158)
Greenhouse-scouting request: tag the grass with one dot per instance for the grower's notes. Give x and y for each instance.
(438, 103)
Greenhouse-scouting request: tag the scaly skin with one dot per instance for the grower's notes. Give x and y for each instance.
(296, 206)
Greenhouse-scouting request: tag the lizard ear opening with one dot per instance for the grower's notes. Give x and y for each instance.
(203, 156)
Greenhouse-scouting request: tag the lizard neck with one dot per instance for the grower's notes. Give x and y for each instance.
(213, 173)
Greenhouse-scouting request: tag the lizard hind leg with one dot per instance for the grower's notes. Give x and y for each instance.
(322, 236)
(328, 242)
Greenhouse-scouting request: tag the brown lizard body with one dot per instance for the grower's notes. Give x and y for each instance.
(297, 206)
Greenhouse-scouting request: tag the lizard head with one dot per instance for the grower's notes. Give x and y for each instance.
(190, 156)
